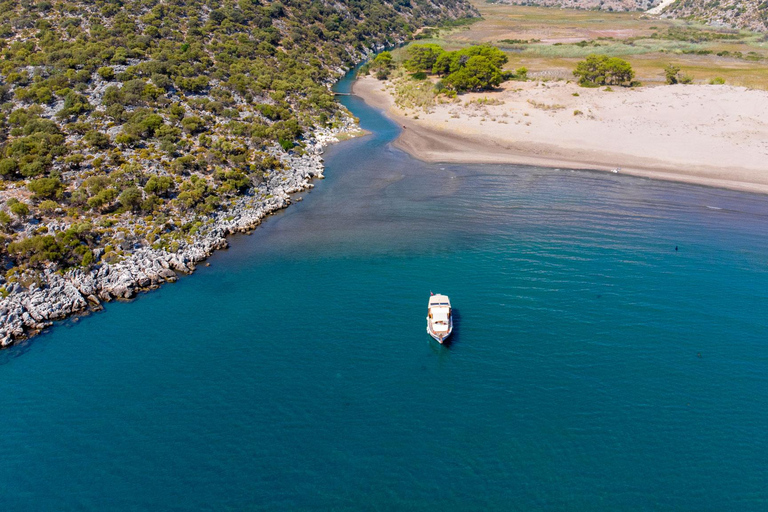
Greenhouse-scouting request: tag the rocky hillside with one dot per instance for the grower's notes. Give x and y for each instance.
(604, 5)
(748, 14)
(135, 135)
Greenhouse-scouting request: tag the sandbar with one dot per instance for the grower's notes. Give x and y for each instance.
(713, 135)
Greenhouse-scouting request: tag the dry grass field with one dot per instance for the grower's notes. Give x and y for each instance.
(549, 42)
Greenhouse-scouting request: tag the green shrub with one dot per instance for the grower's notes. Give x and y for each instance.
(597, 70)
(102, 198)
(97, 139)
(34, 168)
(8, 167)
(125, 139)
(131, 198)
(193, 124)
(160, 185)
(106, 72)
(672, 74)
(43, 95)
(36, 249)
(74, 105)
(46, 188)
(5, 220)
(69, 248)
(19, 209)
(48, 206)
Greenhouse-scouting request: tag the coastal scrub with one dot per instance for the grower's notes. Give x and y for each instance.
(123, 126)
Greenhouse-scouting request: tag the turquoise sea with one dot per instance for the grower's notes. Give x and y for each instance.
(610, 354)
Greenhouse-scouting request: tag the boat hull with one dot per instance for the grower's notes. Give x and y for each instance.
(440, 337)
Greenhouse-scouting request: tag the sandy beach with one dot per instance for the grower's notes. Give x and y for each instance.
(712, 135)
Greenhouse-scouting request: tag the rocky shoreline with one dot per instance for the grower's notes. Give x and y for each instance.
(27, 311)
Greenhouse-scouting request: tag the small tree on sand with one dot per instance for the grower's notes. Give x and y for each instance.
(598, 70)
(673, 75)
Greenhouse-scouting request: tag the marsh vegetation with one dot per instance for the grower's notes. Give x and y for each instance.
(550, 42)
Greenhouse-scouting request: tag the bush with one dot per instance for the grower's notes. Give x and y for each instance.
(673, 76)
(125, 139)
(102, 198)
(232, 182)
(193, 124)
(43, 95)
(97, 139)
(74, 105)
(106, 72)
(160, 185)
(5, 220)
(131, 198)
(8, 167)
(19, 209)
(718, 80)
(36, 249)
(69, 248)
(599, 70)
(47, 188)
(48, 206)
(34, 168)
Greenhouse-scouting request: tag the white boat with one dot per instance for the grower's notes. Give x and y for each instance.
(439, 317)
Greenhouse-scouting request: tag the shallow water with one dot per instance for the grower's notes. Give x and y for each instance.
(609, 354)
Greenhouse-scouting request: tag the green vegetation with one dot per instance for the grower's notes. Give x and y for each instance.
(18, 208)
(128, 114)
(474, 68)
(599, 70)
(649, 44)
(69, 248)
(673, 76)
(381, 66)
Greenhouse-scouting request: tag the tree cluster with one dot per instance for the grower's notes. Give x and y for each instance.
(473, 68)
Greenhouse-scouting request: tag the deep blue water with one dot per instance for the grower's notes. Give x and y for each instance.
(593, 367)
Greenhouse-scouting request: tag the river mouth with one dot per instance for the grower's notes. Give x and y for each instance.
(608, 354)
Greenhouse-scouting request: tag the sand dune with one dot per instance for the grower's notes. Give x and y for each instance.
(710, 135)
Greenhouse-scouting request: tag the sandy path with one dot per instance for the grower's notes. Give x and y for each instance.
(660, 7)
(710, 135)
